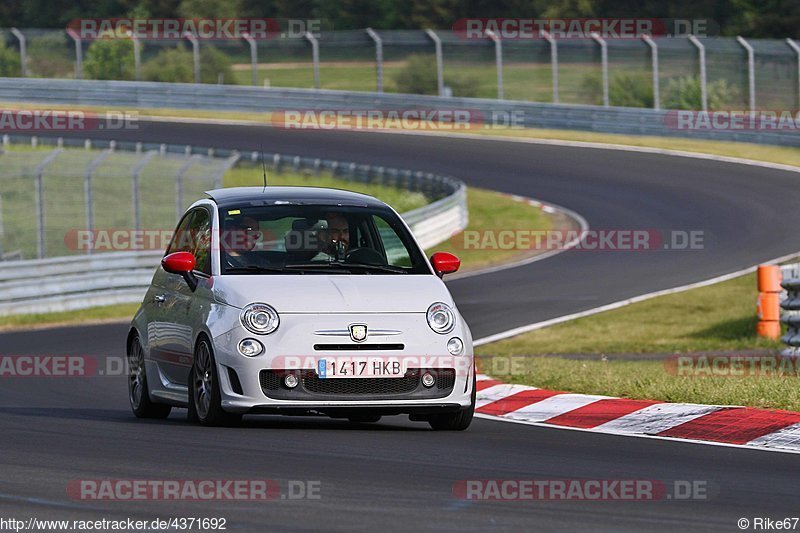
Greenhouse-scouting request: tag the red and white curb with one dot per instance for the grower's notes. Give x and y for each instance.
(763, 429)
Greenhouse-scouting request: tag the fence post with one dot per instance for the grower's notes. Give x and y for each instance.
(314, 56)
(796, 49)
(656, 82)
(38, 173)
(701, 51)
(137, 170)
(378, 58)
(137, 57)
(603, 64)
(23, 55)
(88, 194)
(437, 43)
(78, 53)
(553, 62)
(498, 58)
(751, 71)
(253, 56)
(195, 54)
(179, 183)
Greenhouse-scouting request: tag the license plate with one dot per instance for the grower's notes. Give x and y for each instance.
(359, 367)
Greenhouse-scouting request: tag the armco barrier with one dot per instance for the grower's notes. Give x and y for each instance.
(78, 282)
(131, 95)
(790, 305)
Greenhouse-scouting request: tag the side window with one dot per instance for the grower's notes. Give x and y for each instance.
(200, 229)
(396, 252)
(182, 240)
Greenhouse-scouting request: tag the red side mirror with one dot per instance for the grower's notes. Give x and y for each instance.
(445, 263)
(179, 263)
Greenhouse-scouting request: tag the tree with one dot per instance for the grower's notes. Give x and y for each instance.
(177, 65)
(9, 62)
(110, 59)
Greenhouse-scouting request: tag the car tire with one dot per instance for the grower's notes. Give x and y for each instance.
(138, 392)
(456, 421)
(205, 399)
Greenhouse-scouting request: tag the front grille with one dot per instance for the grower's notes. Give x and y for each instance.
(355, 347)
(270, 380)
(311, 387)
(404, 385)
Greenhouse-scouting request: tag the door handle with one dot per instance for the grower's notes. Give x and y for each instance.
(159, 298)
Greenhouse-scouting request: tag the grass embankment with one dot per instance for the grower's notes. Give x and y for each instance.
(720, 317)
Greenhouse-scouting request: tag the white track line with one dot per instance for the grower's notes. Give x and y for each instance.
(638, 435)
(657, 418)
(788, 437)
(622, 303)
(553, 406)
(498, 392)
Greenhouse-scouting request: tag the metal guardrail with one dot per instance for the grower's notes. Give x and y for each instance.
(790, 308)
(125, 94)
(729, 71)
(78, 282)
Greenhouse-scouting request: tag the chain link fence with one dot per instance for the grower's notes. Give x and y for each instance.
(50, 193)
(569, 71)
(63, 197)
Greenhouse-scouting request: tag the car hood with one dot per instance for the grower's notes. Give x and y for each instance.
(320, 293)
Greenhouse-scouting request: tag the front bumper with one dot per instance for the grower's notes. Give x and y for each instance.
(246, 389)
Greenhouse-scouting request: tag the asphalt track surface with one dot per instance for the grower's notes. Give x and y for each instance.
(398, 475)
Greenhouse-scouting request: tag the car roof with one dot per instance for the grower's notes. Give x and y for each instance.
(237, 196)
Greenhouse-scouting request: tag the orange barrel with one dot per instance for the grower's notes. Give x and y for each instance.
(769, 306)
(770, 329)
(769, 278)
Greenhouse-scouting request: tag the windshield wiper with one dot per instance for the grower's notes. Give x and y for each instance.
(381, 268)
(328, 267)
(347, 266)
(255, 269)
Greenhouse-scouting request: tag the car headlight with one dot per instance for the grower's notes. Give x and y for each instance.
(441, 318)
(260, 319)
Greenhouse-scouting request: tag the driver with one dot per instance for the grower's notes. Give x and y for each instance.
(239, 241)
(334, 240)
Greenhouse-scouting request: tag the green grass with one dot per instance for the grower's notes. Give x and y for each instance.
(63, 186)
(522, 80)
(489, 210)
(92, 315)
(650, 380)
(720, 317)
(717, 317)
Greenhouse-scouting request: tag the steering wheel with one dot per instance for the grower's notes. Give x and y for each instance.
(367, 256)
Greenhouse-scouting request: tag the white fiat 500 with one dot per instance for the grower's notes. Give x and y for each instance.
(299, 300)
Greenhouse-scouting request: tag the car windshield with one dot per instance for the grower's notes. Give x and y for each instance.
(316, 239)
